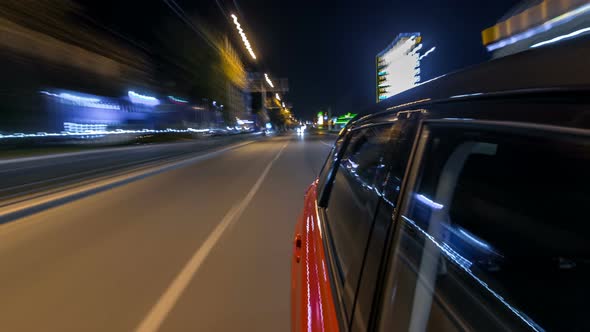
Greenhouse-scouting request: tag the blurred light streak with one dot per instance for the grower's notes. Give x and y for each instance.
(277, 96)
(76, 130)
(72, 127)
(136, 98)
(78, 98)
(466, 264)
(467, 95)
(241, 122)
(177, 100)
(427, 201)
(427, 52)
(268, 80)
(540, 28)
(244, 37)
(82, 100)
(562, 37)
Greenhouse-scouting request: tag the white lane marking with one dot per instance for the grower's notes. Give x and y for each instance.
(96, 185)
(166, 302)
(324, 143)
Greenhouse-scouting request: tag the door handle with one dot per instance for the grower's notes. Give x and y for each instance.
(298, 244)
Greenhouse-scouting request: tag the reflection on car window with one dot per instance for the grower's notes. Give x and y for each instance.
(496, 233)
(352, 202)
(364, 156)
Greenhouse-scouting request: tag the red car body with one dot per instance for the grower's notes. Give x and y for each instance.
(312, 304)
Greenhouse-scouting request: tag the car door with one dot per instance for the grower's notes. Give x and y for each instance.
(492, 233)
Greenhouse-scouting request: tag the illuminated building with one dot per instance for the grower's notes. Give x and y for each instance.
(532, 24)
(320, 120)
(398, 66)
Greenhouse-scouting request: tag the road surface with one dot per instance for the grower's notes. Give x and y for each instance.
(32, 174)
(201, 246)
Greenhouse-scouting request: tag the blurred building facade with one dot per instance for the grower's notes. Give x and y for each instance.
(262, 92)
(237, 101)
(62, 70)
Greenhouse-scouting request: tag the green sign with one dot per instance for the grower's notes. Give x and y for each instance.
(344, 119)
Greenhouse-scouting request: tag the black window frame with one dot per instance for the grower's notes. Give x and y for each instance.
(325, 180)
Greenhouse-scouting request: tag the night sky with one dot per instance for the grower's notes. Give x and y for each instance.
(327, 48)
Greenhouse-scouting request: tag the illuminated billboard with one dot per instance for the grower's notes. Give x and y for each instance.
(398, 66)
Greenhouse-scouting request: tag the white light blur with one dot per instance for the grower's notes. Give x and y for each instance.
(427, 52)
(467, 95)
(283, 105)
(277, 96)
(402, 67)
(320, 119)
(244, 37)
(474, 239)
(539, 29)
(562, 37)
(242, 122)
(86, 129)
(83, 101)
(427, 201)
(137, 98)
(78, 98)
(268, 80)
(177, 100)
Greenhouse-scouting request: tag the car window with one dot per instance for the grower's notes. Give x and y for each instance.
(495, 236)
(353, 200)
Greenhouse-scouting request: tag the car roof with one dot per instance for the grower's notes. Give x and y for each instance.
(559, 68)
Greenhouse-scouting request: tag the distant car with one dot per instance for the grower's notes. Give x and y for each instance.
(459, 205)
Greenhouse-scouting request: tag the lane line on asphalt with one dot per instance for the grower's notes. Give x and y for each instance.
(11, 217)
(158, 313)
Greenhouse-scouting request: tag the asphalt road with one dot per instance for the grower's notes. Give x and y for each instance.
(33, 174)
(201, 247)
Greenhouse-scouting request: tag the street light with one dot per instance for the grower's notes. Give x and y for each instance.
(244, 38)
